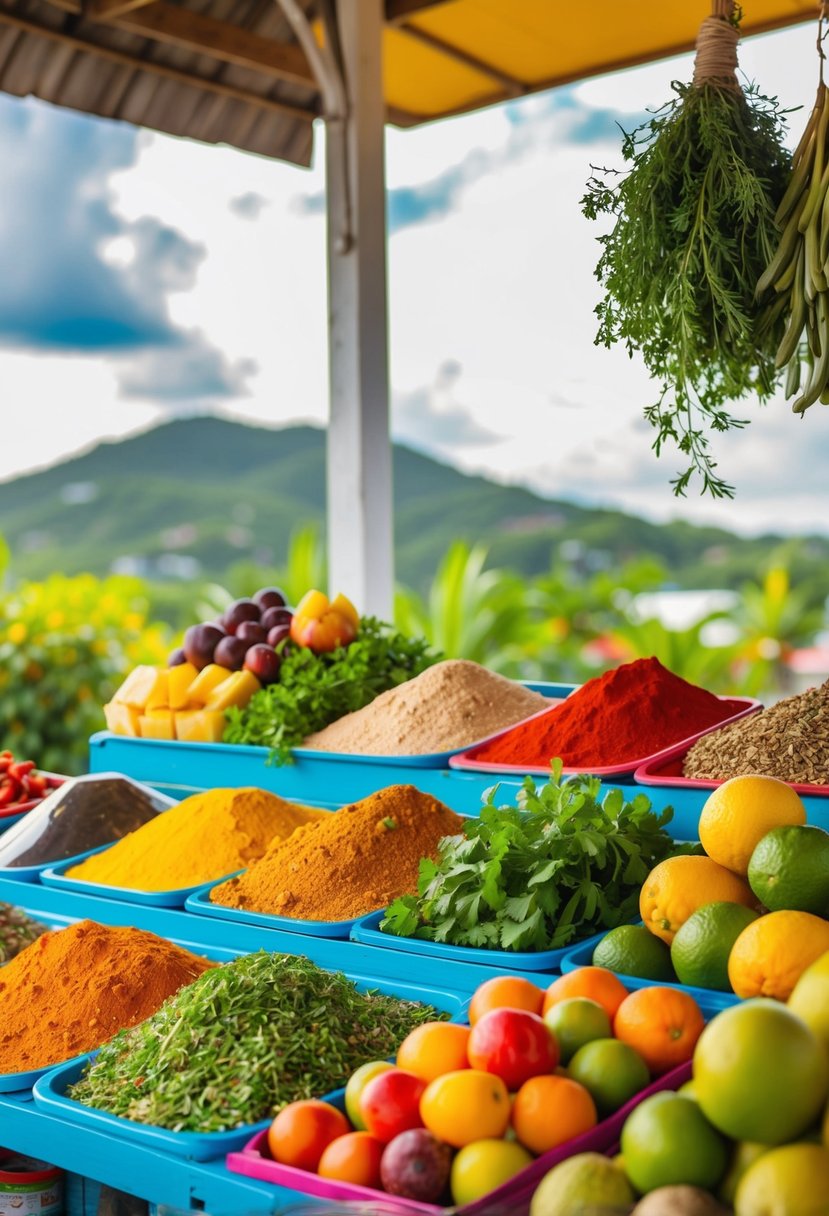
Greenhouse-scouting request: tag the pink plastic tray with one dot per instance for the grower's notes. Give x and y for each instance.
(667, 770)
(514, 1196)
(20, 808)
(741, 706)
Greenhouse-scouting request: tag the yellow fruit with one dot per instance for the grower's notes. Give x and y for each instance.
(482, 1166)
(810, 998)
(738, 814)
(744, 1154)
(200, 725)
(237, 690)
(679, 885)
(788, 1181)
(588, 1180)
(771, 954)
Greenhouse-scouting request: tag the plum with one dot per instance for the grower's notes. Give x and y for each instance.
(416, 1165)
(200, 642)
(251, 632)
(230, 652)
(269, 597)
(278, 634)
(240, 610)
(264, 663)
(276, 616)
(177, 657)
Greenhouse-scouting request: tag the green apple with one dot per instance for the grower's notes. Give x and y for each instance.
(357, 1082)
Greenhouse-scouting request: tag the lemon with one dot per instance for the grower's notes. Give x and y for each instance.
(771, 954)
(746, 1152)
(737, 815)
(700, 949)
(788, 1181)
(810, 998)
(789, 869)
(586, 1180)
(483, 1165)
(667, 1141)
(633, 950)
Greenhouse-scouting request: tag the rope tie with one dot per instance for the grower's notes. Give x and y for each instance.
(716, 59)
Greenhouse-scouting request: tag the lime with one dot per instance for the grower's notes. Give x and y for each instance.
(611, 1072)
(584, 1181)
(667, 1141)
(793, 1180)
(575, 1022)
(760, 1073)
(701, 947)
(789, 870)
(633, 950)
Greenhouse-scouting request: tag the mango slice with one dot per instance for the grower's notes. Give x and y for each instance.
(158, 724)
(179, 680)
(138, 687)
(121, 719)
(209, 678)
(237, 689)
(200, 725)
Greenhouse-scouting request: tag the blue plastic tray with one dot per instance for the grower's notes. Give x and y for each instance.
(12, 1082)
(55, 876)
(200, 903)
(50, 1090)
(709, 1000)
(367, 931)
(32, 874)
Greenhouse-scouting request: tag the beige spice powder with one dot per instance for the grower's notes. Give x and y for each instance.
(452, 704)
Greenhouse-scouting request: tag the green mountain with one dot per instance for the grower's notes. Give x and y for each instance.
(195, 496)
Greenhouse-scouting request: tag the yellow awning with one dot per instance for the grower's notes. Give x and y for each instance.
(444, 58)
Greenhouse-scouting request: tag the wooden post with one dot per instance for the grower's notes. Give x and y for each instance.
(360, 537)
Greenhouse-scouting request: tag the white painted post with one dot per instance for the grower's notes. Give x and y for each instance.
(360, 539)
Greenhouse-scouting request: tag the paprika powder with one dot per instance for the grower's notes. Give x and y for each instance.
(613, 720)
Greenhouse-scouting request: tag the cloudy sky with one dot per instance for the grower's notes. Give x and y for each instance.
(144, 276)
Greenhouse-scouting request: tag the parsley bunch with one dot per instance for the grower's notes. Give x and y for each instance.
(316, 689)
(559, 867)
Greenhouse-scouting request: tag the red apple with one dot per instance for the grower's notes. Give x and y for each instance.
(514, 1045)
(200, 642)
(269, 597)
(240, 610)
(230, 652)
(276, 616)
(264, 662)
(251, 632)
(390, 1103)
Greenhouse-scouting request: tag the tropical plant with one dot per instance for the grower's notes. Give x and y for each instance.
(773, 619)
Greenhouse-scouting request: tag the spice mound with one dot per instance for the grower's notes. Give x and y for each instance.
(72, 989)
(204, 837)
(242, 1042)
(352, 862)
(17, 931)
(789, 740)
(450, 705)
(80, 815)
(612, 720)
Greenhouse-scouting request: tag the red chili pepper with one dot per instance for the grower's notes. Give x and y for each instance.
(7, 794)
(19, 770)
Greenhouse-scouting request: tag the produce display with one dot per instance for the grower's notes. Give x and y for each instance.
(566, 862)
(19, 781)
(180, 702)
(81, 814)
(449, 705)
(465, 1108)
(237, 1045)
(614, 720)
(72, 989)
(204, 837)
(788, 740)
(17, 931)
(346, 864)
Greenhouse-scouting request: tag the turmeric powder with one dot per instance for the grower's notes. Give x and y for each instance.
(72, 989)
(203, 838)
(352, 862)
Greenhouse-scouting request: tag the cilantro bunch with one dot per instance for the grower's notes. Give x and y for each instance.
(316, 689)
(558, 867)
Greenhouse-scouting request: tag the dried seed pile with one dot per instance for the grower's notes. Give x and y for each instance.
(17, 931)
(789, 740)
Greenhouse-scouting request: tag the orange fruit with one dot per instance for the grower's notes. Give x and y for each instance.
(739, 813)
(505, 992)
(547, 1111)
(434, 1048)
(661, 1024)
(678, 886)
(467, 1105)
(353, 1158)
(771, 954)
(596, 983)
(302, 1131)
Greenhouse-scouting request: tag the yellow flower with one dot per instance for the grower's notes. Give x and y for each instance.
(55, 619)
(17, 633)
(133, 620)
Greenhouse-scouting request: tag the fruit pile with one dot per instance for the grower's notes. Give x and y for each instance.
(19, 783)
(465, 1108)
(750, 1130)
(748, 917)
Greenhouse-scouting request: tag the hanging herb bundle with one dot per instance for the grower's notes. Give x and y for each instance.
(694, 229)
(795, 283)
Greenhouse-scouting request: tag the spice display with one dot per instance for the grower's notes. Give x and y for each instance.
(349, 863)
(694, 229)
(72, 989)
(564, 863)
(242, 1042)
(206, 836)
(80, 815)
(789, 740)
(18, 781)
(17, 931)
(624, 715)
(316, 689)
(450, 705)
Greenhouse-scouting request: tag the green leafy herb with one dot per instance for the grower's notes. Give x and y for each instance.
(241, 1042)
(558, 867)
(693, 231)
(316, 689)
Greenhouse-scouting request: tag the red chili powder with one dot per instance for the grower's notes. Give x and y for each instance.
(626, 714)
